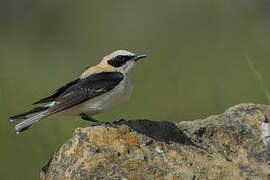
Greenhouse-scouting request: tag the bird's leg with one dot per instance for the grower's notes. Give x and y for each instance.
(88, 118)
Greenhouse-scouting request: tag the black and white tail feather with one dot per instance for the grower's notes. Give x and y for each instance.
(30, 117)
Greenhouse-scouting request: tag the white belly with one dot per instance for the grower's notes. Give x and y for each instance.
(104, 102)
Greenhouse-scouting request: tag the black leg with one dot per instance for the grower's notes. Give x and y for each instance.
(87, 118)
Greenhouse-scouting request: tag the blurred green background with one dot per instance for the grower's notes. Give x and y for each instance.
(195, 65)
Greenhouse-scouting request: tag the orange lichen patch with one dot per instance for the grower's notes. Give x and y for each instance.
(119, 146)
(79, 150)
(130, 139)
(90, 164)
(101, 137)
(119, 139)
(124, 130)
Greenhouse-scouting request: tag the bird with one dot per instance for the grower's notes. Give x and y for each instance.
(97, 90)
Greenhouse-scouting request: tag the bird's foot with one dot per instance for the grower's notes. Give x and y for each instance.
(115, 124)
(119, 123)
(106, 124)
(88, 118)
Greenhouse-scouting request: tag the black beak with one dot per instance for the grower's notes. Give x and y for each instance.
(137, 57)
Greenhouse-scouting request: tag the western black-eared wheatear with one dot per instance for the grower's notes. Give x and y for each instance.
(99, 89)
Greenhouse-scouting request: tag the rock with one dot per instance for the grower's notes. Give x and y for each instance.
(233, 145)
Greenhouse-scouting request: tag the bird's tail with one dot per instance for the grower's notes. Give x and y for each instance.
(28, 114)
(29, 122)
(31, 117)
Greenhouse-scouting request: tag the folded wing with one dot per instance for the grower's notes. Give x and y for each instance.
(57, 93)
(85, 89)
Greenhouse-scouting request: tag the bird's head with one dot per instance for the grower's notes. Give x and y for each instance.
(122, 60)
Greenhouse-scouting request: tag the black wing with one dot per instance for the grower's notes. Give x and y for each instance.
(57, 93)
(86, 89)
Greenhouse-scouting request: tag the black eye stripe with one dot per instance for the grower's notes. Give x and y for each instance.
(123, 58)
(119, 60)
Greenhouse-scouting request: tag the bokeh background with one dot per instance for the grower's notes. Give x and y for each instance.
(197, 63)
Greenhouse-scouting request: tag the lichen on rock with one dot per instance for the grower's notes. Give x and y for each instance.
(233, 145)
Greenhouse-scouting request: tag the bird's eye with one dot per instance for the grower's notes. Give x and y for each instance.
(119, 60)
(123, 58)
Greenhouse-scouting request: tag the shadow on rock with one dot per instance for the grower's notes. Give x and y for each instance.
(159, 130)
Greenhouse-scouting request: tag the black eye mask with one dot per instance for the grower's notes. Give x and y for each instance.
(119, 60)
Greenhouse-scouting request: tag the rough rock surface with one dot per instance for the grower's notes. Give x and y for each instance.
(233, 145)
